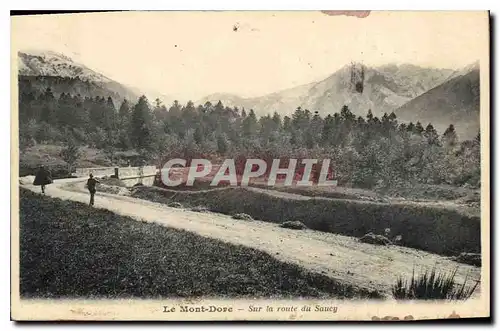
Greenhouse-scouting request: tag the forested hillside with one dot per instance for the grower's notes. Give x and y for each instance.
(365, 151)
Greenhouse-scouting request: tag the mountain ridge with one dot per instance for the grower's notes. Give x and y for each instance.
(456, 101)
(385, 88)
(49, 69)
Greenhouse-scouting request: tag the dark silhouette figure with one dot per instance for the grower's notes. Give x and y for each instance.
(91, 185)
(42, 178)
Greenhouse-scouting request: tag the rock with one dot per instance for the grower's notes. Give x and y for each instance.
(469, 258)
(295, 225)
(175, 205)
(200, 209)
(242, 216)
(375, 239)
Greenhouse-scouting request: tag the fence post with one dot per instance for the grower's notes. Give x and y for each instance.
(141, 174)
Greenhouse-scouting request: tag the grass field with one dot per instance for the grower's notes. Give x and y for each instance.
(433, 229)
(49, 156)
(69, 250)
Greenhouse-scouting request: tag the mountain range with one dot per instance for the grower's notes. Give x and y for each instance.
(429, 95)
(413, 93)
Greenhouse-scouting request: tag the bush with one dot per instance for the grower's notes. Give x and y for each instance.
(432, 285)
(70, 153)
(295, 225)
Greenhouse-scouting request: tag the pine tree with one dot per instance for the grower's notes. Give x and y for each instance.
(141, 126)
(419, 128)
(287, 124)
(110, 115)
(411, 127)
(250, 125)
(222, 144)
(369, 116)
(124, 114)
(450, 137)
(277, 121)
(198, 135)
(48, 113)
(431, 134)
(327, 132)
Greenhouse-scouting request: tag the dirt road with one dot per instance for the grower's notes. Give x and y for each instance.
(340, 257)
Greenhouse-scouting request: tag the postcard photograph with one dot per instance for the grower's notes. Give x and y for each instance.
(250, 165)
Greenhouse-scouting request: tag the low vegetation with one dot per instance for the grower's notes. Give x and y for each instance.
(433, 229)
(432, 285)
(430, 192)
(469, 258)
(69, 250)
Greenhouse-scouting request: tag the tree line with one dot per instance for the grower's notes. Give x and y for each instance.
(365, 151)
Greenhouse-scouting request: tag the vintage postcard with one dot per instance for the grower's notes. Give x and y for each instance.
(250, 165)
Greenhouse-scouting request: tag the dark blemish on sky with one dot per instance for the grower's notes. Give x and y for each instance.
(357, 77)
(175, 45)
(235, 27)
(355, 13)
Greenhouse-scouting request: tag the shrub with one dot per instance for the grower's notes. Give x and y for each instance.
(469, 258)
(431, 286)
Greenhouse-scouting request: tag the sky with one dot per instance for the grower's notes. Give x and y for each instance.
(189, 55)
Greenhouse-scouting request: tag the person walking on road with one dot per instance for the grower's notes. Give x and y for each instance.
(91, 185)
(43, 177)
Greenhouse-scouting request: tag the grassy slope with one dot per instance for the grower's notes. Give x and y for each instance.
(71, 250)
(433, 229)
